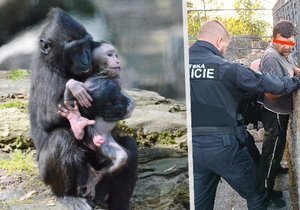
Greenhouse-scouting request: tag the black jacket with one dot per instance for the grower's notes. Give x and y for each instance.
(217, 86)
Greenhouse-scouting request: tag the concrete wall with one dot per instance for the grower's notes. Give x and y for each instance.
(293, 146)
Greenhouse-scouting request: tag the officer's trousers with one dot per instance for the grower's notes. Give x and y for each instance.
(275, 126)
(216, 156)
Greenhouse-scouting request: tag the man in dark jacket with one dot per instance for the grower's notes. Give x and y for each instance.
(216, 87)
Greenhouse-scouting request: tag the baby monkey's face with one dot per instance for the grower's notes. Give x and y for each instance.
(107, 59)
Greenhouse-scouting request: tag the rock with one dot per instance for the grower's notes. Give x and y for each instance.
(157, 166)
(163, 168)
(155, 120)
(13, 87)
(162, 184)
(14, 131)
(155, 113)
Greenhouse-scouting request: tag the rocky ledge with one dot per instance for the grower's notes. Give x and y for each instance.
(158, 123)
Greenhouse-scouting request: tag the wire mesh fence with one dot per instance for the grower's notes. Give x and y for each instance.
(247, 44)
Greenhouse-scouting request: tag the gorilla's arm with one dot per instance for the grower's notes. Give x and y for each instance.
(44, 96)
(76, 89)
(107, 100)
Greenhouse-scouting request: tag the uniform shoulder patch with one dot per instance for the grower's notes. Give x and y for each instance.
(206, 71)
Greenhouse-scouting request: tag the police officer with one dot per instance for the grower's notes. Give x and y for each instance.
(216, 86)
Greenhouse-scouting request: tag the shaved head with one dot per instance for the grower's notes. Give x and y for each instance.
(213, 29)
(215, 33)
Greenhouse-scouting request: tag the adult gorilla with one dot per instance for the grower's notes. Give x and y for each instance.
(65, 53)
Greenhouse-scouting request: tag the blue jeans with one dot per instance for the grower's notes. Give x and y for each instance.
(216, 156)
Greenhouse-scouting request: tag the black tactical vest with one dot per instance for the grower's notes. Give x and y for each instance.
(214, 95)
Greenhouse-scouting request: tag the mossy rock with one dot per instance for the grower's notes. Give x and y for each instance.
(14, 131)
(155, 120)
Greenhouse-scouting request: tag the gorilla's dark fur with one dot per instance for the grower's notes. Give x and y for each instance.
(64, 53)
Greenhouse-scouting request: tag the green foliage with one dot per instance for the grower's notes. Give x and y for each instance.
(245, 23)
(22, 105)
(20, 162)
(193, 25)
(194, 21)
(237, 26)
(18, 74)
(189, 5)
(22, 143)
(18, 142)
(247, 14)
(125, 130)
(151, 139)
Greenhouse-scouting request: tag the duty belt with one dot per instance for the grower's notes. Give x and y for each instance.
(215, 130)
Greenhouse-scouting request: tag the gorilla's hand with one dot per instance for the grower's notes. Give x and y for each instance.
(114, 111)
(79, 92)
(77, 122)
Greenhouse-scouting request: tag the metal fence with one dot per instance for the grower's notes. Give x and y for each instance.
(244, 48)
(247, 48)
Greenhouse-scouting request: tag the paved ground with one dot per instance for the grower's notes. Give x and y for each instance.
(228, 199)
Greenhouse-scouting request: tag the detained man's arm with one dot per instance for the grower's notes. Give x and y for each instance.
(271, 65)
(250, 80)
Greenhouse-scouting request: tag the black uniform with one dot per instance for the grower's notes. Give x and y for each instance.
(217, 86)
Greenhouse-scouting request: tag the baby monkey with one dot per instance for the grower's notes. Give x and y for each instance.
(100, 90)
